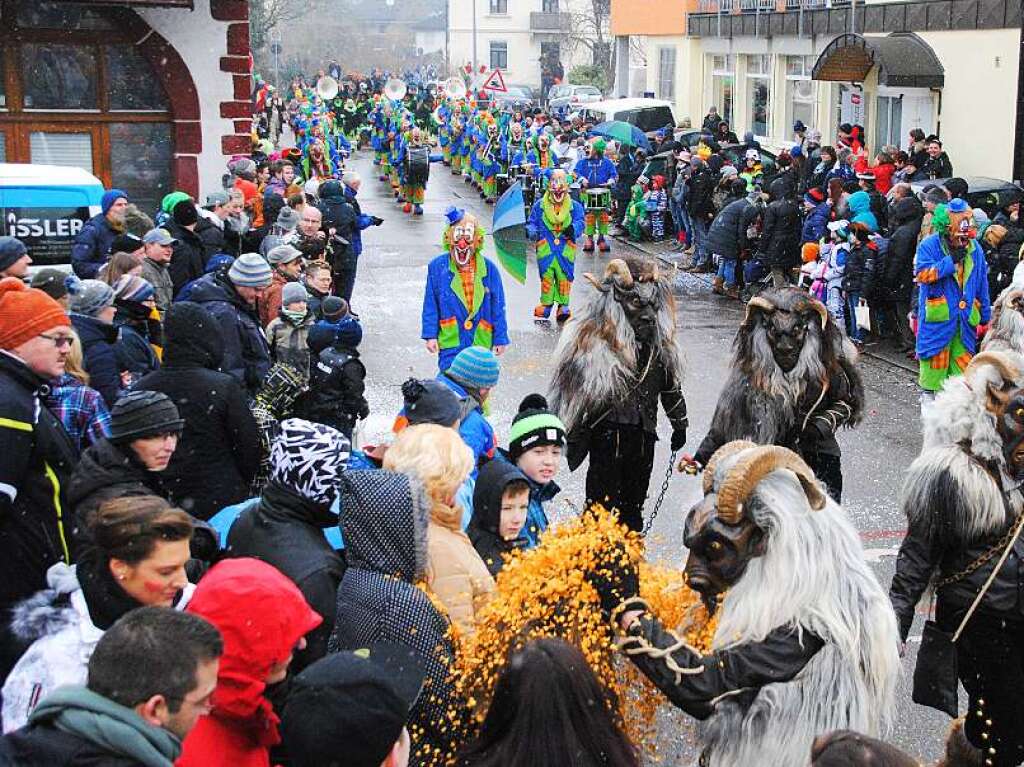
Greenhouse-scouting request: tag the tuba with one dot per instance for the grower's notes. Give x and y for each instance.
(455, 88)
(326, 88)
(395, 89)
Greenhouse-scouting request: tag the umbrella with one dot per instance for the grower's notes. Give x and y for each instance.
(622, 132)
(508, 228)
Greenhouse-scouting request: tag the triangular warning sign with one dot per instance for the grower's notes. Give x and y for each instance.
(495, 82)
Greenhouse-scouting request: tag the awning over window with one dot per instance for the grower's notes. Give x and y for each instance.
(904, 60)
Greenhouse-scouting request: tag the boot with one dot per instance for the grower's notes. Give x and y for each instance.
(542, 311)
(417, 210)
(563, 314)
(407, 208)
(733, 292)
(588, 244)
(603, 246)
(490, 200)
(959, 751)
(718, 286)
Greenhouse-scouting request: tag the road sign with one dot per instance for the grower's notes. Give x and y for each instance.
(276, 48)
(495, 82)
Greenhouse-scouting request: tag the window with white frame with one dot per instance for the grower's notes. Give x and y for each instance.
(499, 7)
(801, 91)
(667, 73)
(499, 54)
(723, 84)
(759, 92)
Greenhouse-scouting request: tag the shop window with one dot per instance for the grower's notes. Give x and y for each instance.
(667, 73)
(140, 154)
(723, 85)
(801, 92)
(51, 15)
(499, 55)
(889, 121)
(70, 150)
(758, 93)
(59, 76)
(130, 81)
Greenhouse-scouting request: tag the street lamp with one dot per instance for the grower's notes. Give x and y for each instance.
(474, 34)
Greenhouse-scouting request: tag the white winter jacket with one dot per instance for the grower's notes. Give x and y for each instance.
(60, 655)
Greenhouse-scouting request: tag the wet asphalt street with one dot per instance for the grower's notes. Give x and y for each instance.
(388, 297)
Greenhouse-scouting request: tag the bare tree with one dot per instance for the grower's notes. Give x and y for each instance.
(266, 15)
(591, 30)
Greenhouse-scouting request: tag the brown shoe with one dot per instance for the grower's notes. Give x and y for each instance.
(718, 286)
(733, 293)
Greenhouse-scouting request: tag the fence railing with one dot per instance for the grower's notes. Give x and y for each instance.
(764, 6)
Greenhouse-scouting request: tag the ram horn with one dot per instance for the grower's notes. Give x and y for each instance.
(725, 451)
(816, 306)
(998, 360)
(759, 302)
(595, 282)
(757, 464)
(617, 268)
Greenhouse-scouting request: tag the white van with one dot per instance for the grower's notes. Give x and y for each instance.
(646, 114)
(46, 206)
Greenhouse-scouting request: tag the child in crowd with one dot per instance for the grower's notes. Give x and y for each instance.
(337, 377)
(656, 201)
(288, 332)
(536, 441)
(437, 457)
(636, 213)
(501, 501)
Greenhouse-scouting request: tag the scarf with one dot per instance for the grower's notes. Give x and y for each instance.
(106, 600)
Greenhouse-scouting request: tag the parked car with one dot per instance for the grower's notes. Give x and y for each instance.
(662, 164)
(649, 115)
(515, 97)
(989, 194)
(565, 98)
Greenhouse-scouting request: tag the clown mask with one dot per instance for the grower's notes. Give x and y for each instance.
(558, 187)
(416, 137)
(517, 131)
(543, 142)
(463, 236)
(961, 229)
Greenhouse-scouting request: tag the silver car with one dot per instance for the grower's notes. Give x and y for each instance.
(565, 98)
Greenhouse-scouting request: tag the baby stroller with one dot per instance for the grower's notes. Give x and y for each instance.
(756, 277)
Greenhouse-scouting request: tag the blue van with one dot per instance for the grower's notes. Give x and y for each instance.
(46, 206)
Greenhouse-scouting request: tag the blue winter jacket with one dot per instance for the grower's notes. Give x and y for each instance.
(99, 353)
(362, 222)
(942, 306)
(536, 517)
(92, 247)
(816, 224)
(446, 316)
(860, 210)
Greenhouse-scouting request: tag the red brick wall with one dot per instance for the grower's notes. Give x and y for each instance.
(237, 47)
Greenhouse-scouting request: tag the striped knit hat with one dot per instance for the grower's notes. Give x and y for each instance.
(141, 414)
(534, 426)
(131, 287)
(475, 367)
(250, 270)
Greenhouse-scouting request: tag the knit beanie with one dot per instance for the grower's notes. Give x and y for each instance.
(288, 218)
(350, 332)
(141, 414)
(125, 243)
(292, 293)
(110, 197)
(185, 213)
(26, 312)
(250, 270)
(171, 199)
(51, 282)
(131, 287)
(308, 459)
(534, 426)
(11, 250)
(476, 367)
(430, 401)
(334, 308)
(88, 297)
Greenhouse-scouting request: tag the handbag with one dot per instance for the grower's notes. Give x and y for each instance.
(936, 674)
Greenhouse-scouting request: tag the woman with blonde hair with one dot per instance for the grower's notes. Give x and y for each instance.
(79, 407)
(441, 461)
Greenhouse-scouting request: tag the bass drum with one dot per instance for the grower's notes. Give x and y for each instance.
(418, 165)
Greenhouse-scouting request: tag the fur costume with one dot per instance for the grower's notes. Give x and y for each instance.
(793, 382)
(806, 640)
(619, 356)
(1006, 333)
(961, 497)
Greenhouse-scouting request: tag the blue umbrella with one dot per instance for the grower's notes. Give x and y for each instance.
(508, 227)
(623, 132)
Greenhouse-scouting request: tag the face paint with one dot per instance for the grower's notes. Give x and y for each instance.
(463, 236)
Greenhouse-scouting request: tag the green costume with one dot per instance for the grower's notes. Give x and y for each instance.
(635, 213)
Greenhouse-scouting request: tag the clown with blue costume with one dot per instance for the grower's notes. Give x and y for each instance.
(464, 300)
(555, 225)
(596, 171)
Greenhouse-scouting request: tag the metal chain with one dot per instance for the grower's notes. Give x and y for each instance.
(661, 495)
(985, 557)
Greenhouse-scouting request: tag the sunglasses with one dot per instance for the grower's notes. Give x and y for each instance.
(61, 342)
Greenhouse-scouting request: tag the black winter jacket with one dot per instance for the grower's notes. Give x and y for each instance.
(212, 237)
(36, 461)
(287, 531)
(219, 449)
(1001, 261)
(727, 236)
(43, 745)
(336, 385)
(246, 352)
(896, 280)
(188, 261)
(485, 525)
(99, 354)
(779, 246)
(384, 525)
(700, 194)
(934, 168)
(859, 274)
(933, 546)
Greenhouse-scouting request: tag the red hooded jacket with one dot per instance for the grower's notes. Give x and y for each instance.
(262, 615)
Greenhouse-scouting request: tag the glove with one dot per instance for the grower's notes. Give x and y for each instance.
(616, 582)
(377, 221)
(678, 439)
(957, 254)
(569, 233)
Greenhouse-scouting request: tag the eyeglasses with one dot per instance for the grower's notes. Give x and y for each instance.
(59, 341)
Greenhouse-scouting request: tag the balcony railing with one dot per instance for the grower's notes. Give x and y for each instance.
(550, 23)
(765, 6)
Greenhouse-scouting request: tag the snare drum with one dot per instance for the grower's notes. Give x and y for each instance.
(575, 192)
(597, 199)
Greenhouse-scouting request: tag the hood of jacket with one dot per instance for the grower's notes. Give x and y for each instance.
(859, 203)
(48, 611)
(111, 726)
(90, 330)
(490, 486)
(216, 287)
(261, 615)
(906, 209)
(192, 337)
(384, 523)
(102, 465)
(332, 191)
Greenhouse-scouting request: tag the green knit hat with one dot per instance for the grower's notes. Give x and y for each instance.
(534, 426)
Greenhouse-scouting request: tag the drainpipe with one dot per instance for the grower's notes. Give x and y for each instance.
(1018, 142)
